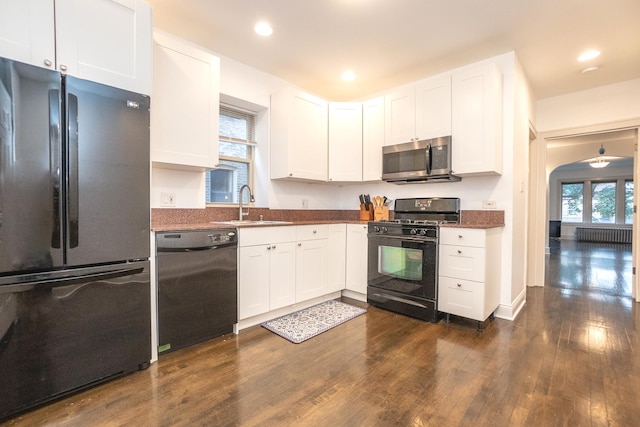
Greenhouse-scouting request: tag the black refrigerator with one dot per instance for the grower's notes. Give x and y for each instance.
(74, 235)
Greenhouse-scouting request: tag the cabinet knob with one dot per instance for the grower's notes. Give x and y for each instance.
(48, 62)
(290, 174)
(300, 244)
(268, 247)
(459, 251)
(63, 67)
(314, 231)
(273, 246)
(459, 285)
(459, 236)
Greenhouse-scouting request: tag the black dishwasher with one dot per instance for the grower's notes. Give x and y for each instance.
(197, 286)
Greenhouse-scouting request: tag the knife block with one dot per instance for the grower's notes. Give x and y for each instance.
(366, 215)
(381, 213)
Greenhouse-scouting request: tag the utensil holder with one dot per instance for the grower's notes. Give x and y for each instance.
(381, 213)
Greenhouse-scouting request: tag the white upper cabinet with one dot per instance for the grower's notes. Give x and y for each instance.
(372, 138)
(419, 111)
(185, 107)
(345, 141)
(106, 41)
(477, 120)
(299, 142)
(433, 107)
(27, 32)
(400, 116)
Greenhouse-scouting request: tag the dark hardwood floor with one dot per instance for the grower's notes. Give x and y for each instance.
(570, 359)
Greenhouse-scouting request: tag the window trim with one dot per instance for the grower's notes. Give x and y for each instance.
(587, 196)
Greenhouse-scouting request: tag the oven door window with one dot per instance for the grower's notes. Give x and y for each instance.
(403, 263)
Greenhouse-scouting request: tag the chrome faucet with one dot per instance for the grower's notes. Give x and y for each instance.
(251, 199)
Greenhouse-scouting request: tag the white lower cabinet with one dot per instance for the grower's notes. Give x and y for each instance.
(311, 261)
(336, 257)
(469, 272)
(266, 270)
(356, 258)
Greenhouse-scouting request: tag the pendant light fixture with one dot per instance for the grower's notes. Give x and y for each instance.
(599, 162)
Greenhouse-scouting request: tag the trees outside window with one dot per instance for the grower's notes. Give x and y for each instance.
(572, 202)
(628, 202)
(603, 202)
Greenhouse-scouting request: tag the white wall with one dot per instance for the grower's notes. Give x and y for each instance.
(605, 104)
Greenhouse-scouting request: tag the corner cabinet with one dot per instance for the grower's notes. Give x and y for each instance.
(419, 111)
(356, 259)
(469, 272)
(299, 136)
(185, 108)
(345, 141)
(477, 120)
(106, 41)
(372, 138)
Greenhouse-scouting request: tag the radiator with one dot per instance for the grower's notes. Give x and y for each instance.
(605, 235)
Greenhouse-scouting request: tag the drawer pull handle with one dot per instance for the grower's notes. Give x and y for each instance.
(314, 231)
(273, 246)
(459, 251)
(299, 244)
(459, 236)
(459, 285)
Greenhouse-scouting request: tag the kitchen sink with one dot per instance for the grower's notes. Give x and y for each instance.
(251, 222)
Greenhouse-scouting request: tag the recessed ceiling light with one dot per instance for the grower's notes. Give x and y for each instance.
(348, 75)
(263, 29)
(586, 70)
(589, 54)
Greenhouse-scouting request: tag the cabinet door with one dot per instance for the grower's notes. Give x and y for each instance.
(27, 32)
(433, 107)
(282, 277)
(345, 141)
(184, 117)
(299, 144)
(477, 120)
(253, 283)
(372, 138)
(336, 257)
(461, 297)
(311, 269)
(400, 116)
(356, 259)
(106, 41)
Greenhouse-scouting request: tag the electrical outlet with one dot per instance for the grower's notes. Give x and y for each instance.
(488, 204)
(305, 203)
(168, 199)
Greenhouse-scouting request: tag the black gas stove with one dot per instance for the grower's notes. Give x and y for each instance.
(419, 217)
(403, 256)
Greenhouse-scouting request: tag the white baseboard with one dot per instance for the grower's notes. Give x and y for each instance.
(355, 295)
(510, 312)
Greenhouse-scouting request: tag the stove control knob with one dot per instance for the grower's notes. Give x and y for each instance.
(385, 229)
(413, 231)
(376, 228)
(423, 232)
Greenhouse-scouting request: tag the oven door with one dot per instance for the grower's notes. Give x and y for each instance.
(403, 265)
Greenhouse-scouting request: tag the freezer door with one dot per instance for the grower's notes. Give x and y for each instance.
(108, 214)
(30, 168)
(70, 330)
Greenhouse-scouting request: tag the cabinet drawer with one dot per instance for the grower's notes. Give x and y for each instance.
(463, 237)
(461, 297)
(265, 235)
(462, 262)
(312, 232)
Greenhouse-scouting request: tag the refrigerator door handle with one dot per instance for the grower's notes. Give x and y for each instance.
(72, 153)
(70, 280)
(55, 167)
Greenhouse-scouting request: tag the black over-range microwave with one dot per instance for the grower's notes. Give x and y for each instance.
(418, 161)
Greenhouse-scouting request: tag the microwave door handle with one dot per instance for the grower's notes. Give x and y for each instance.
(428, 158)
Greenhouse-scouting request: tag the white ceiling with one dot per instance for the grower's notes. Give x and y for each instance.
(393, 42)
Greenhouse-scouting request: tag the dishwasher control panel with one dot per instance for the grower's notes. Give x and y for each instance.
(194, 239)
